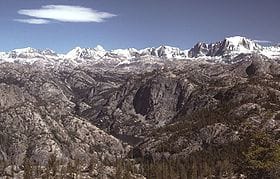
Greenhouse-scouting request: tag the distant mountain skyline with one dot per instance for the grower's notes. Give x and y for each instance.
(228, 48)
(62, 25)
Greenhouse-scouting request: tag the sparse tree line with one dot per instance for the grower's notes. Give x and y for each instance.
(256, 156)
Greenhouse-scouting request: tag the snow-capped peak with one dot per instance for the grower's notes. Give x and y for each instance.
(31, 53)
(99, 48)
(230, 46)
(241, 43)
(162, 51)
(28, 51)
(86, 53)
(74, 51)
(165, 51)
(171, 52)
(48, 52)
(25, 50)
(128, 53)
(235, 40)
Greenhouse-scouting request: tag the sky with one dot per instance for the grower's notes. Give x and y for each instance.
(62, 25)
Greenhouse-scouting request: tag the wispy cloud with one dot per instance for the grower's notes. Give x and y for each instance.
(262, 41)
(33, 21)
(63, 13)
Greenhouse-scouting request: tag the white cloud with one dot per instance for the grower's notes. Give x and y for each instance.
(262, 41)
(66, 13)
(33, 21)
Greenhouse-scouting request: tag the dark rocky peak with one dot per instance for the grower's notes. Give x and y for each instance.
(200, 49)
(228, 46)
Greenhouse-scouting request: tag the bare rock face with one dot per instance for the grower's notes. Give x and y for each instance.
(223, 102)
(38, 119)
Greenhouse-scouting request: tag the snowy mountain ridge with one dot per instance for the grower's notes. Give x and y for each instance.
(228, 48)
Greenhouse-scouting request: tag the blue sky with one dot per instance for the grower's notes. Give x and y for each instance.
(133, 23)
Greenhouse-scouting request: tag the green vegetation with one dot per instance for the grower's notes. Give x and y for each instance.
(262, 157)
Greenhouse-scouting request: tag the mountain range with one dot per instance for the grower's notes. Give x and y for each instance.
(225, 49)
(212, 111)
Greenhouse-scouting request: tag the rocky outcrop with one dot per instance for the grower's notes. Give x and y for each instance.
(38, 120)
